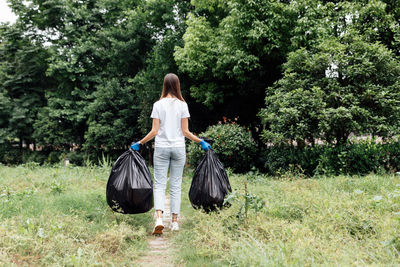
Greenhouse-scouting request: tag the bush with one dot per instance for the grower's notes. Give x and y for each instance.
(10, 154)
(76, 157)
(361, 158)
(284, 158)
(35, 156)
(13, 155)
(233, 144)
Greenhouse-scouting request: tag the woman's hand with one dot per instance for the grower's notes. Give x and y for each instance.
(136, 146)
(204, 145)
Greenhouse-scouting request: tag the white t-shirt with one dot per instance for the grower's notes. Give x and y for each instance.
(170, 111)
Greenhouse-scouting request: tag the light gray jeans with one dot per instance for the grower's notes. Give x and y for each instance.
(173, 158)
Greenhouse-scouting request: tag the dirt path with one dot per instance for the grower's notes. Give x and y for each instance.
(160, 247)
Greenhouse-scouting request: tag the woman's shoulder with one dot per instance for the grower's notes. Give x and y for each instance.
(158, 102)
(170, 99)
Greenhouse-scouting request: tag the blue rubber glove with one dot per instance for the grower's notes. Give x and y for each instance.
(136, 146)
(204, 145)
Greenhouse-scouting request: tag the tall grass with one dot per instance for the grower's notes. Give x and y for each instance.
(338, 221)
(58, 216)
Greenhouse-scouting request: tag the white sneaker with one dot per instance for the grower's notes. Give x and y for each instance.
(174, 226)
(158, 228)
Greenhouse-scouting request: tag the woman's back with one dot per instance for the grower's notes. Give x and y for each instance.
(170, 127)
(170, 111)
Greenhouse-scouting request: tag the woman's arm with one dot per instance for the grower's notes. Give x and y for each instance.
(152, 133)
(186, 132)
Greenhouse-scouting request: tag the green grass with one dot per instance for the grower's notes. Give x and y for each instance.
(59, 216)
(340, 221)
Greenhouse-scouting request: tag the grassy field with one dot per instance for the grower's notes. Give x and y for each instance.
(339, 221)
(58, 216)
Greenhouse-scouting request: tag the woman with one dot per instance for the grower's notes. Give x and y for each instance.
(170, 127)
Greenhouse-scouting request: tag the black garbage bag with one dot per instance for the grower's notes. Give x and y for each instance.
(210, 183)
(130, 186)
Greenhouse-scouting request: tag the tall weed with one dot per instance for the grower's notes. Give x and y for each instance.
(337, 221)
(58, 216)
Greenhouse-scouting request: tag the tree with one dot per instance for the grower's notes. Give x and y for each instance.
(91, 43)
(5, 114)
(343, 82)
(113, 117)
(97, 50)
(170, 22)
(23, 82)
(233, 50)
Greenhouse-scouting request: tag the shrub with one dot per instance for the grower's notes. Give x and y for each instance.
(10, 154)
(282, 158)
(13, 155)
(35, 156)
(361, 158)
(233, 144)
(76, 157)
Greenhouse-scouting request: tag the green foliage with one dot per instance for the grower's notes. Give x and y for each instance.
(102, 34)
(84, 76)
(232, 50)
(22, 82)
(102, 60)
(57, 187)
(247, 200)
(148, 82)
(77, 158)
(105, 162)
(304, 222)
(10, 154)
(361, 157)
(113, 117)
(36, 158)
(233, 144)
(5, 114)
(345, 81)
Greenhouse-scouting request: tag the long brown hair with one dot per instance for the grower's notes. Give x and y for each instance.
(171, 86)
